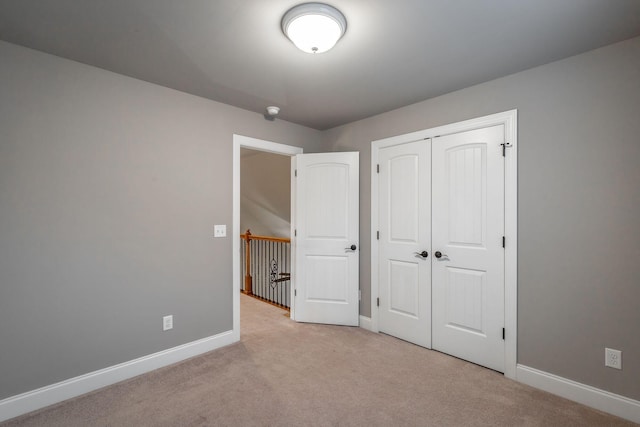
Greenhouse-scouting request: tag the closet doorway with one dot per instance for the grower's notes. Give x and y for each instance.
(439, 258)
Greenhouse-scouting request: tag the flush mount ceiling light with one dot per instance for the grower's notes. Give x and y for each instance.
(314, 27)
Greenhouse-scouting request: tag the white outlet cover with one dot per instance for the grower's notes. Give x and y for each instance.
(219, 231)
(613, 358)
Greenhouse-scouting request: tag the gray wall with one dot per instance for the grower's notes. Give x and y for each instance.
(109, 190)
(578, 205)
(265, 193)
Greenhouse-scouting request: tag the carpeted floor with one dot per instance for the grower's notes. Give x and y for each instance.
(287, 374)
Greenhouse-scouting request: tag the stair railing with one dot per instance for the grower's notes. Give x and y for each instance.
(266, 266)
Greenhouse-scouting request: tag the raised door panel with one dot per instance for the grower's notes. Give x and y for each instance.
(404, 197)
(404, 288)
(327, 279)
(327, 185)
(467, 187)
(465, 300)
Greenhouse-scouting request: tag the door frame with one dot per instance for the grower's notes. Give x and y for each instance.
(510, 120)
(239, 142)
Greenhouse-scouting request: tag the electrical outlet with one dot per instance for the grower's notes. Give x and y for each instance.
(167, 322)
(613, 358)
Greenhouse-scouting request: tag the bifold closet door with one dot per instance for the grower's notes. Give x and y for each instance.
(441, 255)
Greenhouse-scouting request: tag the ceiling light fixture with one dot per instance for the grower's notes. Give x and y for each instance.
(314, 27)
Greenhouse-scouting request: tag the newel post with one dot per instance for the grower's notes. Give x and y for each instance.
(248, 281)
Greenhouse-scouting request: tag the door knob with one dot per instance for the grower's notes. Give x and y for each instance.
(352, 248)
(438, 254)
(423, 254)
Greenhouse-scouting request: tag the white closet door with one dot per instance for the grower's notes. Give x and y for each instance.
(404, 247)
(468, 256)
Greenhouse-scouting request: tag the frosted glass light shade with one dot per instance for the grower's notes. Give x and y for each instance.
(314, 27)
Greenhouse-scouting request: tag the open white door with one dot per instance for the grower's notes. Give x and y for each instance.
(325, 244)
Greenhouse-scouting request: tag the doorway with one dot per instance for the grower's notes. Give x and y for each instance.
(324, 191)
(444, 239)
(265, 223)
(242, 142)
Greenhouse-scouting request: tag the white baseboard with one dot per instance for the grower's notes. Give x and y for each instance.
(54, 393)
(365, 323)
(605, 401)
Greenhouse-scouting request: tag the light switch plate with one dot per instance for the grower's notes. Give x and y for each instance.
(219, 231)
(167, 322)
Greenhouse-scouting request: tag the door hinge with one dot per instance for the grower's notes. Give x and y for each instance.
(295, 233)
(504, 242)
(378, 235)
(502, 333)
(359, 295)
(295, 173)
(505, 145)
(378, 168)
(295, 292)
(378, 302)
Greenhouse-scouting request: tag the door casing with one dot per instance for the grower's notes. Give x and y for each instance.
(509, 120)
(239, 142)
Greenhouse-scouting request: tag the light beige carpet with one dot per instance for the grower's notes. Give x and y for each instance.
(287, 374)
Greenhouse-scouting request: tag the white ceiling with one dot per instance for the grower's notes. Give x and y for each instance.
(394, 53)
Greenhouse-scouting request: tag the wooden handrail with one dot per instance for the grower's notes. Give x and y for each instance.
(249, 236)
